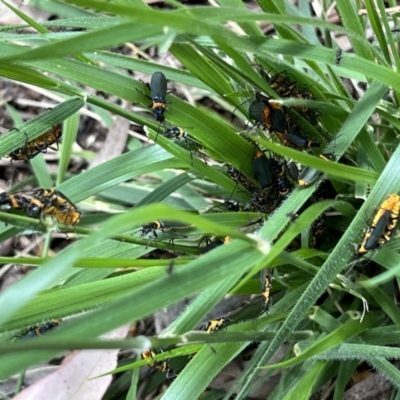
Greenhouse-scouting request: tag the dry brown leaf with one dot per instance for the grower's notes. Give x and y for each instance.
(72, 379)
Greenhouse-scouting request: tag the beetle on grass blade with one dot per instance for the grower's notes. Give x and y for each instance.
(161, 366)
(266, 285)
(382, 227)
(14, 201)
(39, 330)
(165, 228)
(338, 56)
(38, 145)
(263, 170)
(180, 134)
(54, 203)
(264, 111)
(158, 91)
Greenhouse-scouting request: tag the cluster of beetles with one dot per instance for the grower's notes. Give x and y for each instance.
(271, 175)
(271, 184)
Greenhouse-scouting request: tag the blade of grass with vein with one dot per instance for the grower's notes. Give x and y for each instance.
(149, 68)
(64, 302)
(391, 261)
(387, 369)
(108, 260)
(338, 336)
(324, 319)
(42, 174)
(200, 67)
(358, 351)
(91, 75)
(117, 170)
(31, 76)
(89, 21)
(88, 41)
(331, 168)
(385, 302)
(70, 131)
(31, 22)
(381, 335)
(302, 388)
(164, 190)
(345, 371)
